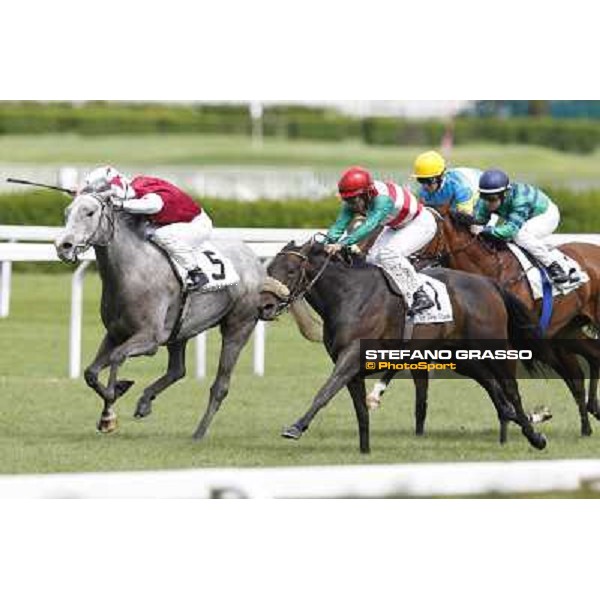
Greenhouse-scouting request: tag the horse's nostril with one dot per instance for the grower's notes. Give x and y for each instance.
(66, 245)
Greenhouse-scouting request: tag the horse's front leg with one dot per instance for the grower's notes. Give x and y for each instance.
(139, 344)
(346, 367)
(108, 420)
(356, 387)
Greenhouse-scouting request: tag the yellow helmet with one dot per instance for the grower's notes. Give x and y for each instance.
(429, 164)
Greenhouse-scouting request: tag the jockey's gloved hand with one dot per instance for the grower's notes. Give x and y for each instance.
(488, 235)
(476, 229)
(116, 203)
(333, 248)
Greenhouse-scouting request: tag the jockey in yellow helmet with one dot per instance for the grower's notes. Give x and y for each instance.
(455, 188)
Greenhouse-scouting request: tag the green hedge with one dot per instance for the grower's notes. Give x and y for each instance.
(574, 135)
(47, 208)
(103, 119)
(579, 211)
(296, 122)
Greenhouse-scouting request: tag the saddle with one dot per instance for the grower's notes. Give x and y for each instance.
(533, 271)
(218, 268)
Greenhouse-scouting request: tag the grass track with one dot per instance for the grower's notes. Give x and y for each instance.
(47, 422)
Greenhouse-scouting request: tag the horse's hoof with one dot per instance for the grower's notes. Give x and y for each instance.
(586, 430)
(292, 433)
(107, 425)
(372, 402)
(143, 409)
(539, 441)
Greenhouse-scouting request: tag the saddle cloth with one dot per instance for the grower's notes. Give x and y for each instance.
(441, 311)
(218, 268)
(535, 279)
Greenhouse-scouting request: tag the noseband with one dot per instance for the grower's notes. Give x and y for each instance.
(302, 285)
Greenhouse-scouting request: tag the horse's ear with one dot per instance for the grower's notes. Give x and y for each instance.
(289, 246)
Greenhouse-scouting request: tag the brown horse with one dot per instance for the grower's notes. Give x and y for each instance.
(456, 247)
(356, 303)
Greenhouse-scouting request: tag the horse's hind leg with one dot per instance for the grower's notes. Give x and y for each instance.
(510, 387)
(356, 387)
(592, 403)
(567, 366)
(421, 381)
(373, 399)
(234, 338)
(175, 372)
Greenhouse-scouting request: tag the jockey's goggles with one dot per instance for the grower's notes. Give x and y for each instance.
(429, 180)
(492, 197)
(353, 199)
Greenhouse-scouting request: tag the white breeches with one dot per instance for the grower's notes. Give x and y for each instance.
(393, 246)
(531, 235)
(180, 240)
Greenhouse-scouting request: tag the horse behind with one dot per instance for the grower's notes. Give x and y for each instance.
(142, 305)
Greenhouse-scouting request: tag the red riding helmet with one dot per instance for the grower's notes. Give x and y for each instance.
(356, 181)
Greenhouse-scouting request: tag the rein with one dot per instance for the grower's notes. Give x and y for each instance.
(441, 257)
(286, 296)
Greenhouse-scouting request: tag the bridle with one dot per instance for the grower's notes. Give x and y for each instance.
(302, 284)
(107, 213)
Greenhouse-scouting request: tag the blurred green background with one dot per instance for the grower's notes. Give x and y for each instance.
(280, 156)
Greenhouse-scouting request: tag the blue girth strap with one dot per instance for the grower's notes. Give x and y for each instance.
(547, 302)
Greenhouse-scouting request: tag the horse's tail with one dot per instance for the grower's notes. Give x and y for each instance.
(310, 326)
(524, 333)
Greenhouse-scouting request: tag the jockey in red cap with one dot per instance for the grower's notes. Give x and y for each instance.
(407, 229)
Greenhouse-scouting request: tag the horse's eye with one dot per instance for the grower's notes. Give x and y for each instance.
(90, 213)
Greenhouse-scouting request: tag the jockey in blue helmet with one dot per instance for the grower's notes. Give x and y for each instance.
(528, 217)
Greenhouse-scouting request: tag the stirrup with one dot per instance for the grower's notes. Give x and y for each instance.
(557, 273)
(196, 280)
(421, 302)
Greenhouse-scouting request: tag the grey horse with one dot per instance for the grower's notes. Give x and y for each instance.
(142, 308)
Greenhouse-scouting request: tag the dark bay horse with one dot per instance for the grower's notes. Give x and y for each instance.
(356, 303)
(142, 300)
(456, 247)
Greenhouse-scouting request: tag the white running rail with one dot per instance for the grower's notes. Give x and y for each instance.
(31, 244)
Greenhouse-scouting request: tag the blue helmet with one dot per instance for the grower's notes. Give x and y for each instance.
(493, 181)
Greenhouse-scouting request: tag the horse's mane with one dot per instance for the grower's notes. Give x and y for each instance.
(461, 220)
(137, 224)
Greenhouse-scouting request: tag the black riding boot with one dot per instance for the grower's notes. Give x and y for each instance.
(421, 301)
(196, 279)
(557, 273)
